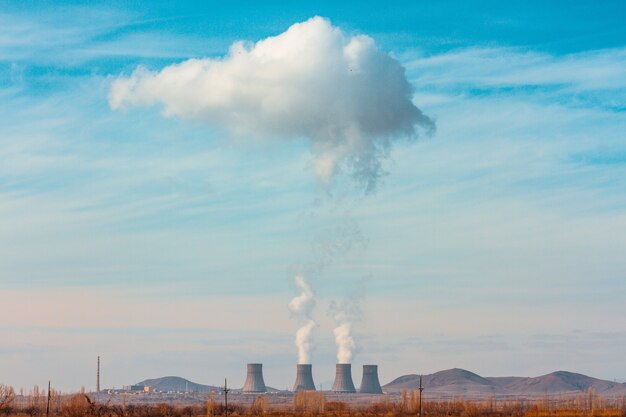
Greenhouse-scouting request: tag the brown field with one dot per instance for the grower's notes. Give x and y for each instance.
(308, 404)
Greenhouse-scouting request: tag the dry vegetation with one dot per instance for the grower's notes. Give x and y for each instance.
(309, 404)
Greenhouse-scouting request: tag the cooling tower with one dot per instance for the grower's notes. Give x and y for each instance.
(343, 379)
(370, 383)
(304, 378)
(254, 379)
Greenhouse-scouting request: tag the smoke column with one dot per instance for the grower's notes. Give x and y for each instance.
(348, 99)
(301, 306)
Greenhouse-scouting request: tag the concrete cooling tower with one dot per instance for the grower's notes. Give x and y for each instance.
(254, 379)
(370, 383)
(304, 378)
(343, 379)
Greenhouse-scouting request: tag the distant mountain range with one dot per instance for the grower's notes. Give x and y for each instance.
(453, 382)
(459, 382)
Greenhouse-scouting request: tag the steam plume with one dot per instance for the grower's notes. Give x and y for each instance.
(350, 100)
(302, 307)
(345, 314)
(345, 342)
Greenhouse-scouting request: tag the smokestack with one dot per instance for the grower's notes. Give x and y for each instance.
(304, 378)
(343, 379)
(370, 383)
(254, 379)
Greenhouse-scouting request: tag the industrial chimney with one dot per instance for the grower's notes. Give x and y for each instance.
(304, 378)
(254, 379)
(343, 379)
(370, 383)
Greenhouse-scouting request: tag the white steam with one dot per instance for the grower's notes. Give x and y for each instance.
(345, 342)
(302, 307)
(346, 97)
(346, 313)
(303, 341)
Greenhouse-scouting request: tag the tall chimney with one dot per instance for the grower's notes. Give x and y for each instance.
(304, 378)
(254, 379)
(370, 383)
(343, 379)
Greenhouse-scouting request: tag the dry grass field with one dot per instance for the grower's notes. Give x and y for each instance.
(36, 403)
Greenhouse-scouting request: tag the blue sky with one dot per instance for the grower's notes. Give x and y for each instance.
(168, 246)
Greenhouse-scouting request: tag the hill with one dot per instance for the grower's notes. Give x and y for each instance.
(176, 384)
(450, 382)
(457, 382)
(565, 382)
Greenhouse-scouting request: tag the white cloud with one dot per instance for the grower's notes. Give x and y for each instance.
(342, 93)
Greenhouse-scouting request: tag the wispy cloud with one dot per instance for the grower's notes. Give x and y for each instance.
(477, 68)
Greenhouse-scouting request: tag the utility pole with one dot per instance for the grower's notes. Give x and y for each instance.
(98, 381)
(421, 388)
(48, 404)
(226, 396)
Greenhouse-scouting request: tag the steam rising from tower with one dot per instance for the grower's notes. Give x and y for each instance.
(254, 379)
(346, 313)
(344, 341)
(302, 307)
(370, 383)
(304, 378)
(350, 100)
(343, 379)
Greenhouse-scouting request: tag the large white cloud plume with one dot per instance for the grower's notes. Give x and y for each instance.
(343, 94)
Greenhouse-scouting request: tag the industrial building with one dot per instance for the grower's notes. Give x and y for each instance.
(304, 378)
(343, 383)
(370, 383)
(343, 379)
(254, 379)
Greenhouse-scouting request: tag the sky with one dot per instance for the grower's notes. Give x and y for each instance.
(167, 240)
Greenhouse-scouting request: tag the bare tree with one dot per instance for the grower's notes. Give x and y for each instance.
(7, 396)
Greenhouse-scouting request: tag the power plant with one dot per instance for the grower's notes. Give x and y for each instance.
(254, 379)
(304, 378)
(369, 382)
(343, 379)
(343, 384)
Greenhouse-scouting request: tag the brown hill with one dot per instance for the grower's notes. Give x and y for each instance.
(459, 382)
(178, 384)
(564, 382)
(175, 384)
